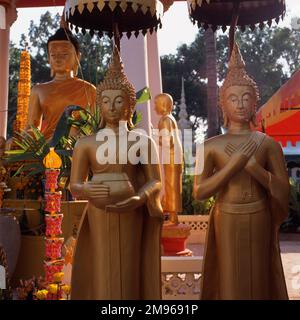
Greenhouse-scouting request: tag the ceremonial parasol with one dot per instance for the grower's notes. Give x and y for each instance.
(114, 17)
(243, 13)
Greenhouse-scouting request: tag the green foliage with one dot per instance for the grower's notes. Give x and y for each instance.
(38, 36)
(189, 204)
(33, 146)
(293, 220)
(189, 63)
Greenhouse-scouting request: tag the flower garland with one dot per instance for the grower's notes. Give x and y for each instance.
(53, 242)
(23, 92)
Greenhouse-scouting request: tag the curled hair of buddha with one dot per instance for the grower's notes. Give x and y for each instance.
(63, 34)
(237, 76)
(116, 79)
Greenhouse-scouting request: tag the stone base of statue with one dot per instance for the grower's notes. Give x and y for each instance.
(174, 238)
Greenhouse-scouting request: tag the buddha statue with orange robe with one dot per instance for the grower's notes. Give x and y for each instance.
(246, 171)
(49, 100)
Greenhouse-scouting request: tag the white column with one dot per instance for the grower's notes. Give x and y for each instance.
(4, 62)
(134, 56)
(155, 82)
(10, 16)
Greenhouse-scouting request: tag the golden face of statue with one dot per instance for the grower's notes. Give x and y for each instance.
(239, 103)
(163, 104)
(114, 106)
(62, 56)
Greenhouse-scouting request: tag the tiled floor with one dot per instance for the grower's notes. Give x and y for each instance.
(290, 253)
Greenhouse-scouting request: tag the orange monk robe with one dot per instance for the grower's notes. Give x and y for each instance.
(73, 91)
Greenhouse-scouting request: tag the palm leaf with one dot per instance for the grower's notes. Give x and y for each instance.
(14, 152)
(26, 156)
(143, 95)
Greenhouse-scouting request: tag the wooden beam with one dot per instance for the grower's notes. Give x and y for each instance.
(39, 3)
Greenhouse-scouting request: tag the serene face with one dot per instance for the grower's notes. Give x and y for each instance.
(239, 103)
(113, 106)
(62, 56)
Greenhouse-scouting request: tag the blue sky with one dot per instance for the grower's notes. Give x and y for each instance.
(170, 36)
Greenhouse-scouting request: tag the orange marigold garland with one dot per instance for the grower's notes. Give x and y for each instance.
(23, 92)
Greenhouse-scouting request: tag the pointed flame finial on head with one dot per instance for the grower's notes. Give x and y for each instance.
(116, 68)
(63, 23)
(236, 59)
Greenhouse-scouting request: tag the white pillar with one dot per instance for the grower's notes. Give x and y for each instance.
(155, 83)
(134, 56)
(4, 62)
(10, 17)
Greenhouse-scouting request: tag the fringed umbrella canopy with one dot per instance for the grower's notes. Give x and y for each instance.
(233, 13)
(219, 13)
(99, 16)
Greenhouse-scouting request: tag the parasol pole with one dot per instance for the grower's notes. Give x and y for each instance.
(116, 35)
(234, 21)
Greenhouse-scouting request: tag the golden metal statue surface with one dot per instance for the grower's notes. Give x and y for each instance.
(170, 144)
(246, 171)
(117, 254)
(49, 100)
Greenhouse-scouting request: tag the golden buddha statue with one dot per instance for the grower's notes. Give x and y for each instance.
(117, 254)
(246, 171)
(49, 100)
(170, 143)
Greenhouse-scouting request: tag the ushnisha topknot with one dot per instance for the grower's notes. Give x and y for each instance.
(63, 34)
(237, 76)
(116, 79)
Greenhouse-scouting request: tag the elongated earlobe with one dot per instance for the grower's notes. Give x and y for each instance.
(225, 120)
(75, 71)
(253, 120)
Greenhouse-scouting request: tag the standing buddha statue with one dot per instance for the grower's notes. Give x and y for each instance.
(117, 254)
(246, 171)
(172, 157)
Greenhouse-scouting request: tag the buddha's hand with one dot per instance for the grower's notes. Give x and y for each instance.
(127, 205)
(251, 164)
(92, 190)
(240, 156)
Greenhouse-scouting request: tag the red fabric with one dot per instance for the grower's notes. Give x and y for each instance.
(286, 99)
(39, 3)
(287, 130)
